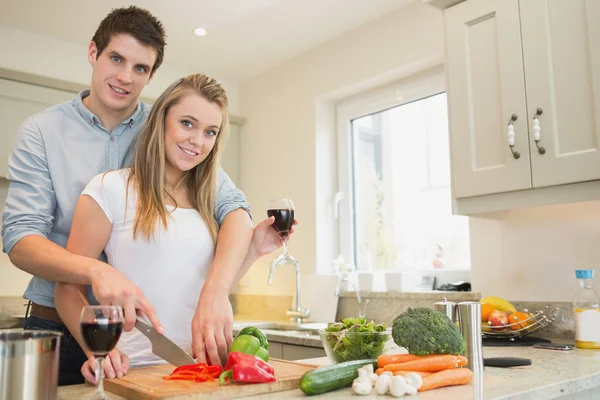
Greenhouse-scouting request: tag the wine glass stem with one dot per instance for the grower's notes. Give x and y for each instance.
(99, 394)
(285, 250)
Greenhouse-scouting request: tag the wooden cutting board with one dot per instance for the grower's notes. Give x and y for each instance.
(147, 384)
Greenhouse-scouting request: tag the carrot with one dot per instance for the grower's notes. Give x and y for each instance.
(450, 377)
(386, 359)
(426, 364)
(404, 373)
(462, 361)
(379, 371)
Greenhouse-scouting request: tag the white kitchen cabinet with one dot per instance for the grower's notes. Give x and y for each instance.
(561, 49)
(511, 57)
(17, 102)
(485, 88)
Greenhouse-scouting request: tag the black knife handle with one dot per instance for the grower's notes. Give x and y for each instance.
(505, 362)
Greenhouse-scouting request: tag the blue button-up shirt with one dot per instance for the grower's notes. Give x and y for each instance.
(56, 153)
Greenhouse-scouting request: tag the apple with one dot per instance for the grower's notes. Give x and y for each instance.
(498, 319)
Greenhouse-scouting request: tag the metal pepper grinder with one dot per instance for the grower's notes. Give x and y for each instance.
(447, 308)
(468, 314)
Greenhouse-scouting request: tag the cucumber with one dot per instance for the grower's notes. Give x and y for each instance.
(332, 377)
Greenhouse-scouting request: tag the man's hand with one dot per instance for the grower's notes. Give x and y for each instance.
(116, 365)
(212, 326)
(111, 287)
(266, 239)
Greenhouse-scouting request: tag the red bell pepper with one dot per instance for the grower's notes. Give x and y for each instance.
(236, 357)
(245, 372)
(246, 368)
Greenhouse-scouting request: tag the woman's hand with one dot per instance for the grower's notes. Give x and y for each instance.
(265, 239)
(116, 365)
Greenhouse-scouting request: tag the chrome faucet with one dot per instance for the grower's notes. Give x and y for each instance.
(362, 308)
(296, 313)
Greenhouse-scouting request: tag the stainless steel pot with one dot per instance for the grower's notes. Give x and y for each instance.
(29, 364)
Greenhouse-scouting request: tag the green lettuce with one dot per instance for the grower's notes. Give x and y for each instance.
(355, 339)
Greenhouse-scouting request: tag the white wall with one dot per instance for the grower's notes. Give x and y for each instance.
(13, 281)
(45, 56)
(531, 254)
(525, 254)
(289, 145)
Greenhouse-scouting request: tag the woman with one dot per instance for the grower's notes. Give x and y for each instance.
(155, 220)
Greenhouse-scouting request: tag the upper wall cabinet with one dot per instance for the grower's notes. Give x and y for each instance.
(524, 94)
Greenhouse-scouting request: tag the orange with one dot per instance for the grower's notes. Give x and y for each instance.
(519, 320)
(486, 309)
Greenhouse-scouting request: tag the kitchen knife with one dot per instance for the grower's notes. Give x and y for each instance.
(163, 346)
(506, 362)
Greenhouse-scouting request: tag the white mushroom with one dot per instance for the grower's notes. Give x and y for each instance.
(398, 386)
(411, 390)
(367, 371)
(383, 383)
(415, 380)
(362, 373)
(362, 386)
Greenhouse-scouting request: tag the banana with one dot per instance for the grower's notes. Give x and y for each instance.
(499, 304)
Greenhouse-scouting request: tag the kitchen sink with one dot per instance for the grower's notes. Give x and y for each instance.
(310, 328)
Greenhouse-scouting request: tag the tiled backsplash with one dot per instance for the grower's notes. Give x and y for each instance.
(384, 307)
(562, 327)
(248, 307)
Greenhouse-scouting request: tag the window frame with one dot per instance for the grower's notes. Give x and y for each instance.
(404, 91)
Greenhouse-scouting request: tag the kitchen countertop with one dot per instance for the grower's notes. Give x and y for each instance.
(553, 374)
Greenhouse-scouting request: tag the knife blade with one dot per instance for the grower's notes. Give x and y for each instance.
(163, 346)
(506, 362)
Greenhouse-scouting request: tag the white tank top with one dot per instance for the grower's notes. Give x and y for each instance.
(170, 269)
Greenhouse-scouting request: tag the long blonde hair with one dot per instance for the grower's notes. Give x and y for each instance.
(148, 166)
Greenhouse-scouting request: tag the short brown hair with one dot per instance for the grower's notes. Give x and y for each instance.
(134, 21)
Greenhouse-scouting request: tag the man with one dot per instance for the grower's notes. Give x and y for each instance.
(59, 150)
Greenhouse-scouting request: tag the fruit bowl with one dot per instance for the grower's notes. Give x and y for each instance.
(520, 324)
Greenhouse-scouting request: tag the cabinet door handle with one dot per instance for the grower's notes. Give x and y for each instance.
(511, 136)
(537, 131)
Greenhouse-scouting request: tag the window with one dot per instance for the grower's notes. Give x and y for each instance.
(395, 176)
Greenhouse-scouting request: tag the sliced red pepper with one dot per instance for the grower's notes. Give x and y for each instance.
(178, 378)
(183, 376)
(245, 372)
(191, 367)
(214, 370)
(195, 372)
(236, 357)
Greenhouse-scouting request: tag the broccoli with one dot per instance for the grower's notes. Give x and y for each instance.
(423, 331)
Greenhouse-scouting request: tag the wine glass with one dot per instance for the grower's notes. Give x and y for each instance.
(101, 328)
(283, 211)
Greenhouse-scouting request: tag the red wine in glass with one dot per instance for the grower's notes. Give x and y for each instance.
(101, 328)
(101, 338)
(284, 219)
(283, 211)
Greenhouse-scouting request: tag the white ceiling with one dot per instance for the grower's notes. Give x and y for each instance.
(245, 37)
